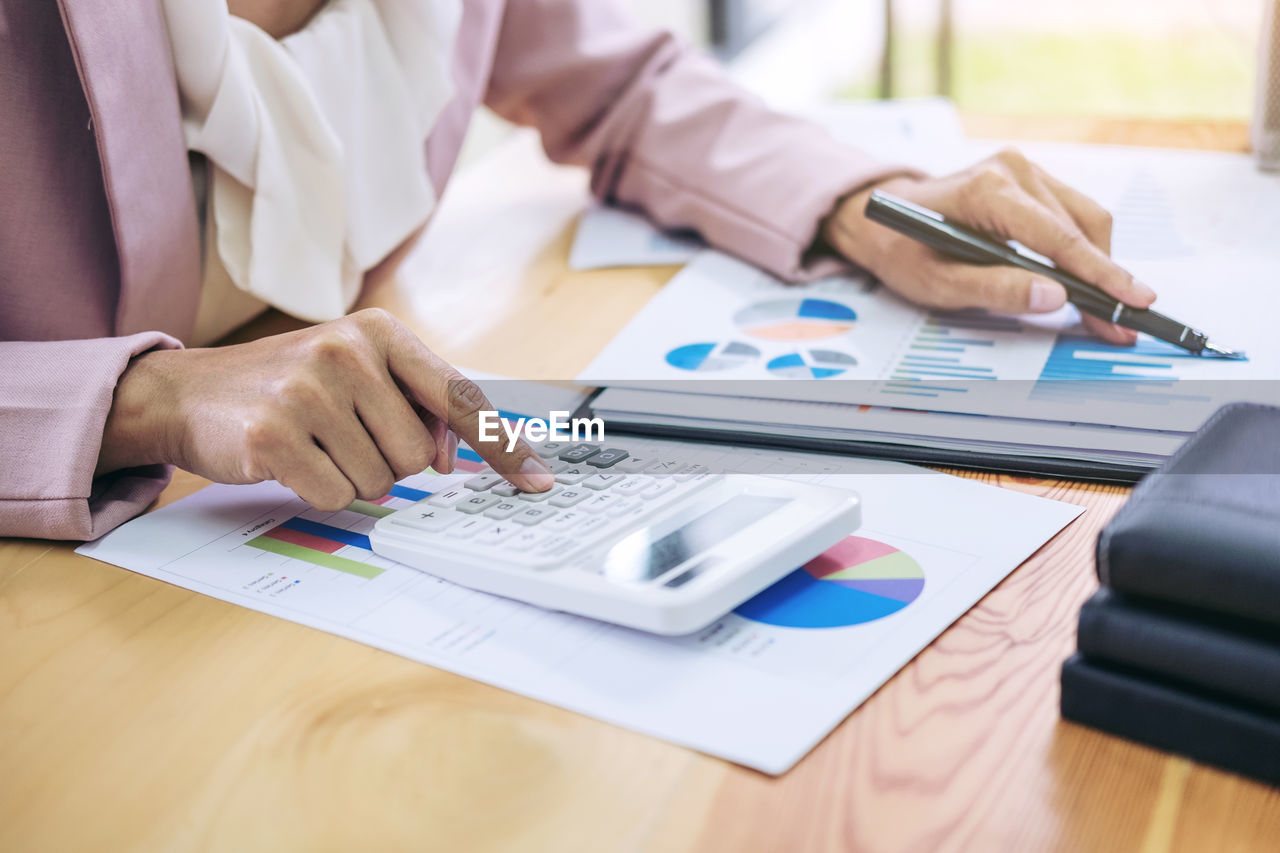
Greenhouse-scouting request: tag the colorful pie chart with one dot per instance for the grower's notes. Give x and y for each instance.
(857, 580)
(796, 319)
(712, 356)
(811, 364)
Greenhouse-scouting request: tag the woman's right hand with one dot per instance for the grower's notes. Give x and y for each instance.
(336, 411)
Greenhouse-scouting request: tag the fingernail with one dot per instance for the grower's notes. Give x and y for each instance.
(1046, 296)
(451, 448)
(536, 474)
(1144, 292)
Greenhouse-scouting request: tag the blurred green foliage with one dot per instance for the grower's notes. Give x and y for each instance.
(1187, 76)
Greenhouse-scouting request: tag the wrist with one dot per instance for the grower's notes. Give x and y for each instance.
(849, 231)
(137, 430)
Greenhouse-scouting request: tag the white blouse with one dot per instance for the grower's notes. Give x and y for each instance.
(315, 147)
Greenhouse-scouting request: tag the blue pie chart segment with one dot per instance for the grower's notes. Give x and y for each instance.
(712, 356)
(855, 581)
(811, 364)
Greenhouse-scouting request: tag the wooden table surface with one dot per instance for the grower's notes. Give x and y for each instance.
(137, 715)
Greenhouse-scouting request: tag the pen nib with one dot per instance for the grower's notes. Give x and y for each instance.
(1215, 350)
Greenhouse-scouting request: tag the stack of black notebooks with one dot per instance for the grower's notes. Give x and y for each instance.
(1180, 649)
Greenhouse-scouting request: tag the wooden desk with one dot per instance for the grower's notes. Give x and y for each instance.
(136, 715)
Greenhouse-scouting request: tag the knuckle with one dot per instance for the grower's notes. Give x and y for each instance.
(465, 397)
(336, 345)
(301, 391)
(335, 498)
(1011, 156)
(263, 435)
(415, 460)
(375, 488)
(1102, 220)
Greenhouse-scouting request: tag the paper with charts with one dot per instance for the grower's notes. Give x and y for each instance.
(1199, 227)
(761, 686)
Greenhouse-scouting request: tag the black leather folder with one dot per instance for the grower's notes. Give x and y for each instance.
(1204, 530)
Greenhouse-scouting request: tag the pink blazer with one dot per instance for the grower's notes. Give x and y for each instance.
(99, 251)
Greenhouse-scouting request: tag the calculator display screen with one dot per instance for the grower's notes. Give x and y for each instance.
(647, 554)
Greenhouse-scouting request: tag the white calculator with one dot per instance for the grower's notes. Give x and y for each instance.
(664, 545)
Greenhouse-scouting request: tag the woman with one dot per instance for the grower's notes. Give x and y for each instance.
(321, 135)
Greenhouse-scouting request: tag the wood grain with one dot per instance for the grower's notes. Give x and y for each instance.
(137, 715)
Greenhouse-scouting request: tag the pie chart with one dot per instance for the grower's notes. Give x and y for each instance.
(712, 356)
(857, 580)
(811, 364)
(796, 319)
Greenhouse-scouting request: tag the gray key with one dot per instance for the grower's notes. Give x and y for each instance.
(593, 525)
(427, 519)
(689, 472)
(556, 465)
(547, 449)
(482, 482)
(496, 534)
(468, 528)
(525, 540)
(541, 496)
(635, 464)
(477, 503)
(669, 466)
(565, 520)
(608, 457)
(569, 497)
(601, 481)
(502, 510)
(581, 453)
(505, 490)
(574, 475)
(555, 546)
(633, 485)
(533, 515)
(602, 502)
(448, 497)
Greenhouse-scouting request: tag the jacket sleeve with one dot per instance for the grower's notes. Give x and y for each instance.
(54, 400)
(662, 128)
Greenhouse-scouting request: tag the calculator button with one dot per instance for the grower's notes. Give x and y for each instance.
(624, 507)
(569, 497)
(635, 464)
(468, 528)
(525, 540)
(477, 503)
(566, 520)
(547, 449)
(688, 472)
(482, 482)
(601, 502)
(541, 496)
(593, 525)
(505, 490)
(608, 457)
(657, 488)
(581, 453)
(556, 465)
(574, 475)
(533, 515)
(601, 481)
(554, 546)
(448, 497)
(427, 519)
(633, 486)
(497, 534)
(666, 466)
(502, 510)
